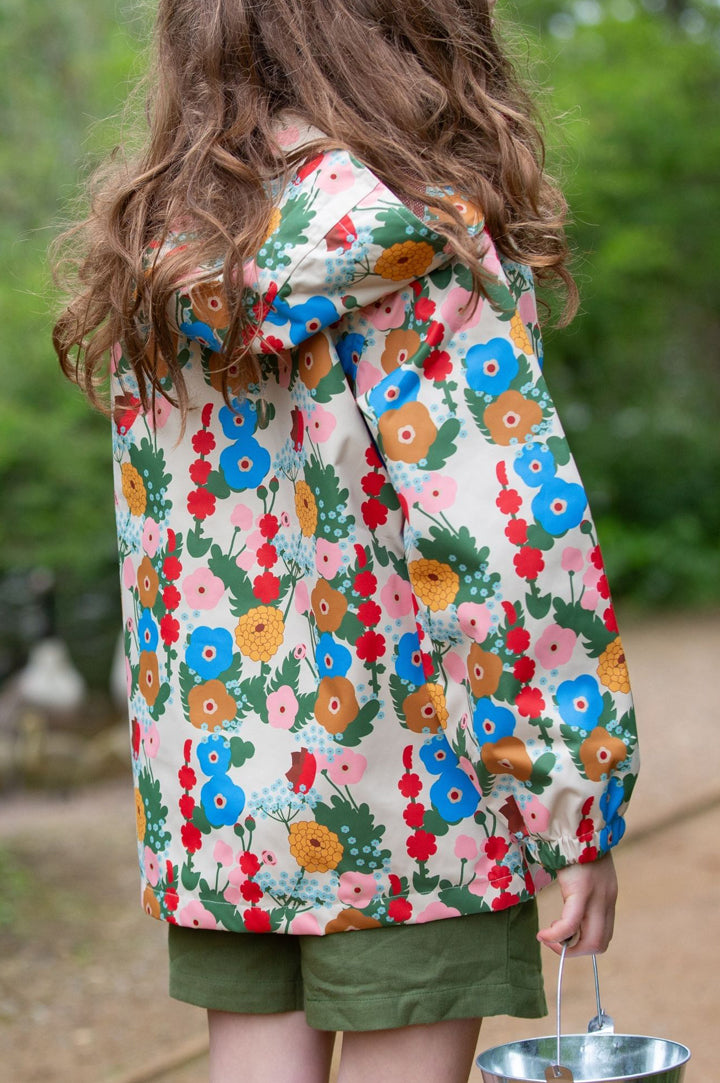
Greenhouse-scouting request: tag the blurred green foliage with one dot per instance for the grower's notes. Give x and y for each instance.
(636, 376)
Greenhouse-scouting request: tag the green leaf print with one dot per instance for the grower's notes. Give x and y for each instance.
(156, 837)
(508, 687)
(350, 628)
(594, 633)
(240, 751)
(217, 485)
(237, 581)
(540, 777)
(359, 834)
(252, 694)
(477, 406)
(150, 464)
(434, 823)
(197, 545)
(287, 672)
(443, 446)
(462, 899)
(399, 690)
(361, 725)
(423, 883)
(200, 820)
(539, 538)
(440, 278)
(573, 739)
(537, 605)
(330, 497)
(330, 385)
(189, 877)
(560, 449)
(463, 276)
(158, 707)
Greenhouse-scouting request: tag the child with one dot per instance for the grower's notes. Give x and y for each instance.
(374, 676)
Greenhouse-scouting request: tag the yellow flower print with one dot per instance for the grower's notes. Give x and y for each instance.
(260, 632)
(519, 335)
(336, 705)
(210, 704)
(408, 433)
(315, 847)
(425, 709)
(400, 346)
(612, 667)
(511, 417)
(274, 222)
(435, 584)
(409, 259)
(140, 817)
(306, 508)
(600, 753)
(133, 489)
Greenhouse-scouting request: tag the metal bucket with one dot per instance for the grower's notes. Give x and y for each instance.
(600, 1056)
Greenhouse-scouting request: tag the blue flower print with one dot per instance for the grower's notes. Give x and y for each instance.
(349, 350)
(580, 702)
(244, 464)
(209, 651)
(438, 756)
(394, 391)
(491, 366)
(202, 332)
(147, 631)
(214, 755)
(222, 801)
(535, 465)
(454, 795)
(305, 319)
(408, 661)
(239, 420)
(610, 802)
(331, 658)
(491, 722)
(559, 506)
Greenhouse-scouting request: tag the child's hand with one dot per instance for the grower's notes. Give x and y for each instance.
(589, 893)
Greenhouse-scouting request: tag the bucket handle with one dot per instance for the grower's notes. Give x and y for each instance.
(557, 1071)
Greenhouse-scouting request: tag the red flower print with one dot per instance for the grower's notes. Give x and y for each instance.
(400, 910)
(172, 568)
(413, 814)
(410, 784)
(372, 458)
(169, 872)
(510, 612)
(501, 473)
(499, 877)
(435, 333)
(251, 891)
(424, 309)
(437, 365)
(516, 532)
(426, 663)
(302, 772)
(524, 669)
(374, 513)
(372, 483)
(602, 587)
(369, 613)
(201, 503)
(268, 525)
(587, 805)
(407, 757)
(530, 702)
(266, 587)
(266, 555)
(585, 830)
(187, 751)
(421, 845)
(509, 501)
(395, 884)
(272, 344)
(342, 235)
(496, 847)
(200, 471)
(191, 837)
(518, 640)
(360, 555)
(256, 921)
(186, 804)
(596, 557)
(203, 443)
(370, 646)
(609, 619)
(169, 629)
(187, 777)
(136, 737)
(590, 853)
(206, 414)
(505, 900)
(249, 863)
(171, 597)
(172, 900)
(529, 562)
(365, 584)
(298, 428)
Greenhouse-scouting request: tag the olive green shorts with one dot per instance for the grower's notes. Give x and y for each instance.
(368, 979)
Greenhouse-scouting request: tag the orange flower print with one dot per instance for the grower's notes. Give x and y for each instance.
(315, 847)
(151, 906)
(210, 704)
(209, 304)
(425, 709)
(470, 213)
(336, 705)
(511, 417)
(484, 671)
(351, 918)
(400, 346)
(329, 606)
(508, 756)
(408, 259)
(148, 583)
(435, 584)
(600, 753)
(407, 433)
(260, 632)
(149, 677)
(314, 360)
(240, 371)
(612, 667)
(133, 489)
(306, 508)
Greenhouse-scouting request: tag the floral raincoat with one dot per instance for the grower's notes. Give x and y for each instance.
(373, 669)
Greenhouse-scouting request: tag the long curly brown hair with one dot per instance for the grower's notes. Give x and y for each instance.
(421, 92)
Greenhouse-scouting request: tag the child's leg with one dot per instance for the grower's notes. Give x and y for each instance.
(433, 1053)
(258, 1048)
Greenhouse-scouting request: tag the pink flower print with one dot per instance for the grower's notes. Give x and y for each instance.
(481, 868)
(300, 651)
(465, 764)
(332, 178)
(347, 768)
(150, 537)
(388, 312)
(284, 519)
(160, 413)
(305, 925)
(328, 558)
(232, 895)
(255, 540)
(151, 866)
(223, 854)
(115, 356)
(356, 889)
(367, 376)
(128, 677)
(541, 878)
(435, 911)
(242, 517)
(466, 848)
(397, 596)
(527, 308)
(288, 136)
(246, 559)
(592, 576)
(457, 309)
(301, 597)
(555, 646)
(128, 573)
(151, 742)
(202, 589)
(474, 620)
(320, 425)
(590, 600)
(572, 559)
(536, 816)
(454, 667)
(282, 707)
(284, 368)
(268, 857)
(438, 494)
